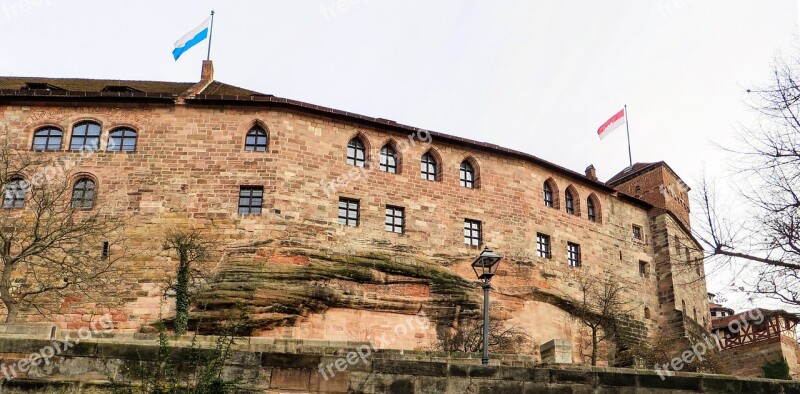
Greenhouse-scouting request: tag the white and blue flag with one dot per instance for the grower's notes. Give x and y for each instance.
(191, 39)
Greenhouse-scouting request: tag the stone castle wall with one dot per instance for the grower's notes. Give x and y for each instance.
(303, 275)
(749, 360)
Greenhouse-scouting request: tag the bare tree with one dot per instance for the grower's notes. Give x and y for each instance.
(466, 335)
(191, 247)
(600, 308)
(51, 245)
(768, 182)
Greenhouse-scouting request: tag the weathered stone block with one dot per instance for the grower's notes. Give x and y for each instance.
(290, 379)
(556, 351)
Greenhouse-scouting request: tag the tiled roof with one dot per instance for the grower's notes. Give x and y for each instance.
(220, 93)
(67, 85)
(746, 316)
(630, 171)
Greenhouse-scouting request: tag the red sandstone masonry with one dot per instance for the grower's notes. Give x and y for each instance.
(190, 163)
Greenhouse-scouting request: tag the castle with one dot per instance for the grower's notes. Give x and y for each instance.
(340, 226)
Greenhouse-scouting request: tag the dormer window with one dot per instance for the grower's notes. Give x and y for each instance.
(120, 89)
(42, 86)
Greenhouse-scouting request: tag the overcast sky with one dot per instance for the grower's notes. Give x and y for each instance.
(537, 76)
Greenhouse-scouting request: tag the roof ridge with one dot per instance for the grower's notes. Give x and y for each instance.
(92, 79)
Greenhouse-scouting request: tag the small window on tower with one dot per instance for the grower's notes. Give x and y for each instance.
(637, 232)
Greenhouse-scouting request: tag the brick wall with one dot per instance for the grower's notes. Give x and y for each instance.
(190, 163)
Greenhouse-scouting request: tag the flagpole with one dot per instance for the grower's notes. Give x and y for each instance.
(211, 34)
(627, 130)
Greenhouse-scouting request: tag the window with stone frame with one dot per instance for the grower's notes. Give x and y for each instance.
(256, 140)
(429, 167)
(472, 232)
(251, 200)
(348, 212)
(570, 202)
(83, 193)
(543, 245)
(122, 140)
(548, 195)
(388, 159)
(637, 232)
(85, 136)
(467, 175)
(395, 219)
(356, 153)
(14, 192)
(573, 254)
(47, 139)
(643, 269)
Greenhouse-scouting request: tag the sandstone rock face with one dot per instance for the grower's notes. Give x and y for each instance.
(299, 273)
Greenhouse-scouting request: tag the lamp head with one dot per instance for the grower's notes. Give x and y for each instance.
(485, 266)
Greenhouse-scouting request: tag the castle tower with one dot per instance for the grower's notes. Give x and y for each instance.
(678, 257)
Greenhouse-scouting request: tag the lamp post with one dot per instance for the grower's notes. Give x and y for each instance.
(485, 267)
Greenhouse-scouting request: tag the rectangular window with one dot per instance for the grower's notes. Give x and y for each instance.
(643, 269)
(105, 252)
(637, 232)
(348, 212)
(574, 254)
(543, 245)
(472, 232)
(250, 200)
(395, 219)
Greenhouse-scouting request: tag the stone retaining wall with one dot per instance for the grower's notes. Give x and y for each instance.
(288, 366)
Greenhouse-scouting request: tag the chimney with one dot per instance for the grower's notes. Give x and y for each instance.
(591, 173)
(207, 75)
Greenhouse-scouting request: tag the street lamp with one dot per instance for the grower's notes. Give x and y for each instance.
(485, 267)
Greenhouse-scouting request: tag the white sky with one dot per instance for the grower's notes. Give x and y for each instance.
(537, 76)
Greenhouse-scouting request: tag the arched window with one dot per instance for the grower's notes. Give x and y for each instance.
(256, 140)
(85, 136)
(467, 175)
(14, 193)
(122, 140)
(548, 195)
(646, 312)
(570, 202)
(83, 193)
(429, 167)
(47, 138)
(593, 208)
(388, 159)
(356, 153)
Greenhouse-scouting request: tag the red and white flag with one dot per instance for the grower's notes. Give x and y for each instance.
(610, 125)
